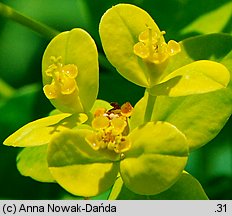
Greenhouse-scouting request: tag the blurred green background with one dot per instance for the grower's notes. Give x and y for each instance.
(22, 99)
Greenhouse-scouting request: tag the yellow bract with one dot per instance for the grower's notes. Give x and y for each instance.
(110, 129)
(63, 79)
(153, 48)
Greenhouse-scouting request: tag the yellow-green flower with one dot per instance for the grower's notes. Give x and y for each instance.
(70, 71)
(111, 128)
(87, 161)
(134, 44)
(63, 79)
(136, 47)
(152, 47)
(70, 77)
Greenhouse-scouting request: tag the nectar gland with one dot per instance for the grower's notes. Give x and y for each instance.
(111, 129)
(63, 79)
(153, 48)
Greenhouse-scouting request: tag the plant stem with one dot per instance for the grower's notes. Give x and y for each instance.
(149, 107)
(5, 89)
(36, 26)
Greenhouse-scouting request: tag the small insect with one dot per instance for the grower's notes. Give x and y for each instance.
(125, 109)
(116, 108)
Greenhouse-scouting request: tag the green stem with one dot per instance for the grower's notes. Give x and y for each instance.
(36, 26)
(39, 27)
(5, 90)
(149, 107)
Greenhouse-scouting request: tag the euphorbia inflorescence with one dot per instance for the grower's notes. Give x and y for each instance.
(63, 78)
(111, 129)
(153, 48)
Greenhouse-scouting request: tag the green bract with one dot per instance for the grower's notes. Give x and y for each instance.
(119, 29)
(32, 161)
(148, 167)
(141, 55)
(40, 131)
(186, 188)
(77, 167)
(70, 71)
(200, 117)
(156, 160)
(195, 78)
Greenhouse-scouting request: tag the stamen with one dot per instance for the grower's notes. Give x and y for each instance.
(110, 129)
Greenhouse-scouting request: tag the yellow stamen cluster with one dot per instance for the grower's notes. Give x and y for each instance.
(111, 129)
(153, 48)
(63, 79)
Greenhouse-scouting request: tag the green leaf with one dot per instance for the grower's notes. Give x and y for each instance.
(78, 48)
(199, 117)
(55, 112)
(100, 104)
(121, 192)
(40, 132)
(19, 108)
(227, 60)
(156, 159)
(116, 189)
(77, 167)
(212, 47)
(137, 117)
(119, 29)
(32, 162)
(6, 91)
(214, 21)
(195, 78)
(186, 188)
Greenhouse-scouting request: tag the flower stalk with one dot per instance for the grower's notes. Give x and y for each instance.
(149, 107)
(5, 89)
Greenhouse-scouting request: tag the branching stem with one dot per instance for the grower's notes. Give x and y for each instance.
(149, 107)
(5, 90)
(36, 26)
